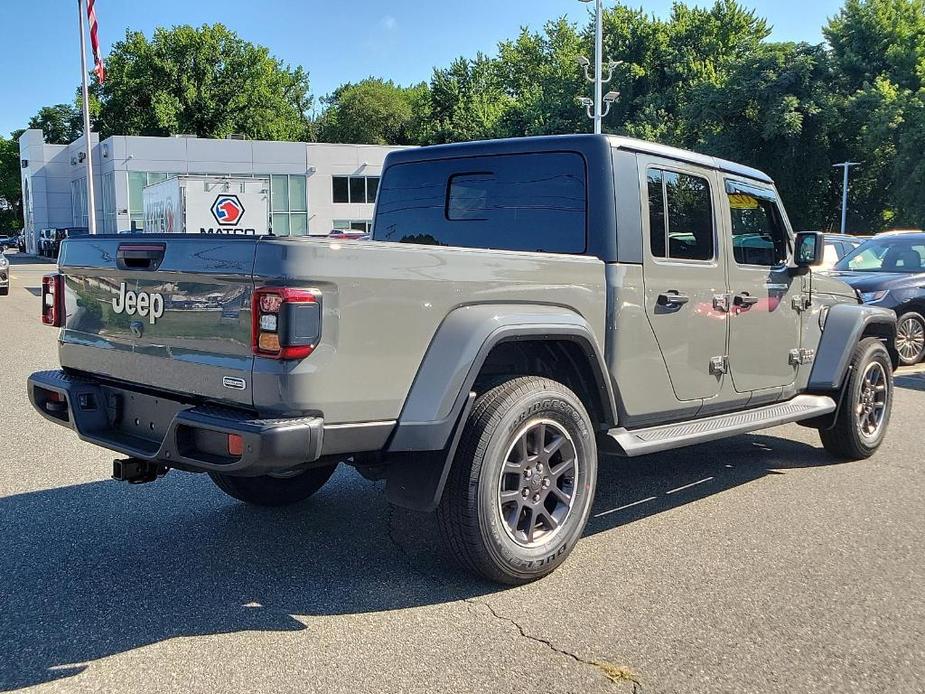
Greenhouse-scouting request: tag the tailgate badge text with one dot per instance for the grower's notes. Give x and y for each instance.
(150, 306)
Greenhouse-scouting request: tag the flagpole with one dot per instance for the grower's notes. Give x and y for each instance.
(91, 201)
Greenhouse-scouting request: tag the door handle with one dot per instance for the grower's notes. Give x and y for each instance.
(672, 299)
(745, 300)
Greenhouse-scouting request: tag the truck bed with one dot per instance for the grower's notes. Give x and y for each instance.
(381, 305)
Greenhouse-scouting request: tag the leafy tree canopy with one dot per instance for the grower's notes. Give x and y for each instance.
(206, 81)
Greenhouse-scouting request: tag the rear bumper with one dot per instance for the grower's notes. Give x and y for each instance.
(156, 429)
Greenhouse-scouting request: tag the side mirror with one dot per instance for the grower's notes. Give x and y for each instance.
(808, 249)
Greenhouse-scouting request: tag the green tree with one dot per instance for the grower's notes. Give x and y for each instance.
(776, 111)
(373, 111)
(61, 123)
(873, 38)
(10, 183)
(538, 70)
(469, 101)
(206, 81)
(878, 50)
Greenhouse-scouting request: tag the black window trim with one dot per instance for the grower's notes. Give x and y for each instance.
(705, 174)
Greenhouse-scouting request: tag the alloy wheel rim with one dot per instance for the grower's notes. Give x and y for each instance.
(871, 407)
(910, 338)
(537, 489)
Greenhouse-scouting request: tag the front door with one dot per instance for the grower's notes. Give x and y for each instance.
(685, 275)
(764, 325)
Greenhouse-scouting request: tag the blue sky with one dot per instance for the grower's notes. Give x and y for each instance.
(336, 42)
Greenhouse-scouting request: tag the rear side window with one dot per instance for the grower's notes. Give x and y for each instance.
(680, 216)
(518, 202)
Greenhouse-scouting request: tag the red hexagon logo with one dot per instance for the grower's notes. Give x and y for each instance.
(227, 210)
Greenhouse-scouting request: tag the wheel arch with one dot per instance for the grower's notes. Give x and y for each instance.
(420, 452)
(473, 336)
(845, 326)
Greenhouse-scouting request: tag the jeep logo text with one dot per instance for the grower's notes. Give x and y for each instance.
(150, 306)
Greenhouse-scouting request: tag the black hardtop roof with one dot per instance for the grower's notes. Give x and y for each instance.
(587, 144)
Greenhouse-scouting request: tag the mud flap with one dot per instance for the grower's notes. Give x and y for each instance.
(415, 480)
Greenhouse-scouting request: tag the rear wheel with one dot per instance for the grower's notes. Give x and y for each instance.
(522, 482)
(865, 410)
(280, 490)
(910, 338)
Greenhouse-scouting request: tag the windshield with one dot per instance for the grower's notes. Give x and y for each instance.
(896, 254)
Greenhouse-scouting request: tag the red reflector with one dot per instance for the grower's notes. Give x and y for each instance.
(235, 445)
(55, 397)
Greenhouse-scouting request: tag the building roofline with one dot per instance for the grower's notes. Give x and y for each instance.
(261, 142)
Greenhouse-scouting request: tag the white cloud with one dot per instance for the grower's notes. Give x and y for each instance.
(389, 23)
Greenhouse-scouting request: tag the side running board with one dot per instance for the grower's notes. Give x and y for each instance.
(669, 436)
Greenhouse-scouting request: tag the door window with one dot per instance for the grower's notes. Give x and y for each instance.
(680, 216)
(759, 235)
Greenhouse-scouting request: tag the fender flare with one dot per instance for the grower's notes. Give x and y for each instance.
(457, 353)
(423, 445)
(845, 325)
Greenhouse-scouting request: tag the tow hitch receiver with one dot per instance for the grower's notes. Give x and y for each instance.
(136, 471)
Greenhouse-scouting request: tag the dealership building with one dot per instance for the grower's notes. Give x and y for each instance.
(314, 187)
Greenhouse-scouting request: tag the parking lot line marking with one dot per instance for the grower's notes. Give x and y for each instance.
(688, 486)
(623, 508)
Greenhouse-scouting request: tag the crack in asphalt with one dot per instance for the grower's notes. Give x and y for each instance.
(613, 674)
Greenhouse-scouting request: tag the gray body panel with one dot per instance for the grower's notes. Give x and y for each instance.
(383, 304)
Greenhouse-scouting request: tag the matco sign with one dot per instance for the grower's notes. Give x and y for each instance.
(228, 210)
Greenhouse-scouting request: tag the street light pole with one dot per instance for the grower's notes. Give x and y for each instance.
(600, 106)
(844, 198)
(598, 66)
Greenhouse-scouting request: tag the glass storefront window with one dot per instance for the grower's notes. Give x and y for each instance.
(298, 200)
(279, 192)
(281, 224)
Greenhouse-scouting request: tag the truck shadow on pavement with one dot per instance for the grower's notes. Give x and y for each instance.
(99, 569)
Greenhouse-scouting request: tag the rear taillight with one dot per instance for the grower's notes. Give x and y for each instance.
(286, 322)
(53, 300)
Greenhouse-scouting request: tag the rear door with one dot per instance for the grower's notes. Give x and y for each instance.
(685, 277)
(173, 313)
(765, 323)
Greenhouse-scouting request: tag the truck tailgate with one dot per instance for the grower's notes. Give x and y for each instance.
(172, 312)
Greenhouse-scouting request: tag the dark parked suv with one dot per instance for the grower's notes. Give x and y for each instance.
(889, 271)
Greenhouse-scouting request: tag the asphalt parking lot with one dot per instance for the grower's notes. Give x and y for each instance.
(755, 564)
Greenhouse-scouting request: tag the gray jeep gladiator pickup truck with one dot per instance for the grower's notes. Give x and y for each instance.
(522, 305)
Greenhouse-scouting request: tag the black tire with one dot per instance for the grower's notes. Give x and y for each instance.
(848, 439)
(910, 338)
(4, 291)
(274, 491)
(475, 526)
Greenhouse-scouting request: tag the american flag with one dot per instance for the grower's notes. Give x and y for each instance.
(100, 68)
